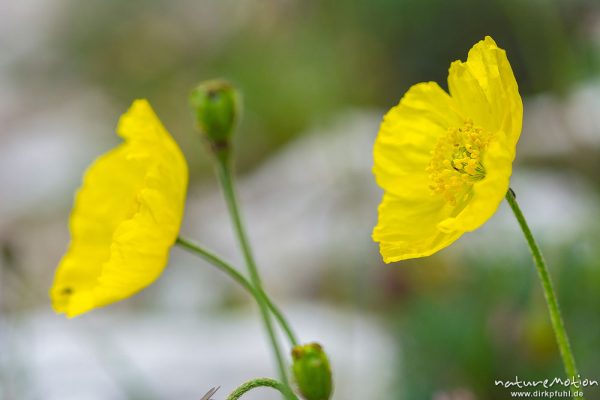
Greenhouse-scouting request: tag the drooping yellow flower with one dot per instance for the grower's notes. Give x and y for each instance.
(444, 160)
(125, 218)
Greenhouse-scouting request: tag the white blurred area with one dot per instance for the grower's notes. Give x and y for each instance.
(175, 340)
(311, 205)
(120, 355)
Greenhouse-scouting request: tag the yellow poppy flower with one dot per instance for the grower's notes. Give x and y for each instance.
(125, 218)
(444, 160)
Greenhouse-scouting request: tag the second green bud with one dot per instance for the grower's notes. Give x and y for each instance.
(312, 372)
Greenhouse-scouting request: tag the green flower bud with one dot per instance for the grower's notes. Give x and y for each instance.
(312, 372)
(215, 104)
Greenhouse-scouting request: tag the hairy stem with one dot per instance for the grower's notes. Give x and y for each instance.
(557, 322)
(255, 383)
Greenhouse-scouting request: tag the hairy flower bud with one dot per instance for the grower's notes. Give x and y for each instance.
(216, 106)
(312, 372)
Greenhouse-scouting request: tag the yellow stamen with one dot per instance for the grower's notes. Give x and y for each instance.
(456, 161)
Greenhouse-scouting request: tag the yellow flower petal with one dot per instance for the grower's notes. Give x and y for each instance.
(485, 88)
(444, 161)
(409, 215)
(407, 136)
(408, 228)
(125, 218)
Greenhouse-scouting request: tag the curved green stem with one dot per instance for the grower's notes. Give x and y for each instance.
(557, 323)
(239, 278)
(226, 180)
(254, 383)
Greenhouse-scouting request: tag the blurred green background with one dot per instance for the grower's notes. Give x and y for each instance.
(312, 74)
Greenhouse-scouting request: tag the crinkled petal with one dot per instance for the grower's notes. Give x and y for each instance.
(126, 217)
(409, 228)
(409, 214)
(485, 89)
(407, 136)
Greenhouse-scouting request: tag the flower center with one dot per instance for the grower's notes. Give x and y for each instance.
(456, 161)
